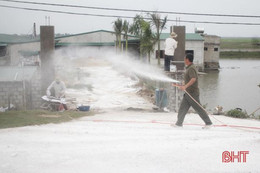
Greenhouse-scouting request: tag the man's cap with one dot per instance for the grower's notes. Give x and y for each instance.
(173, 35)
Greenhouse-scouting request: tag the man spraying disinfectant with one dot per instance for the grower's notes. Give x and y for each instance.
(191, 96)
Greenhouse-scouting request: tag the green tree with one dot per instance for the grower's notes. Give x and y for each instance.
(126, 30)
(159, 25)
(148, 39)
(136, 29)
(118, 27)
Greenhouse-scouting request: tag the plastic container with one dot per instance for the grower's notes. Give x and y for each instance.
(83, 108)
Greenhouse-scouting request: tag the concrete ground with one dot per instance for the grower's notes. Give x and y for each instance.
(129, 141)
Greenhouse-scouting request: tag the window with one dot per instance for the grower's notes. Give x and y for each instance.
(2, 50)
(215, 49)
(205, 49)
(161, 54)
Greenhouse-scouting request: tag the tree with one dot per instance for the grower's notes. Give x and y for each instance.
(126, 30)
(159, 25)
(137, 30)
(148, 39)
(118, 27)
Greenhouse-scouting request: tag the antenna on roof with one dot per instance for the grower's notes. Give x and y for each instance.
(34, 30)
(178, 20)
(49, 20)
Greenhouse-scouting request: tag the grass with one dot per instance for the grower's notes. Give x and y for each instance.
(12, 119)
(237, 114)
(240, 43)
(240, 55)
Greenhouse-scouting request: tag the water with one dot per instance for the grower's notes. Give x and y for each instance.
(234, 86)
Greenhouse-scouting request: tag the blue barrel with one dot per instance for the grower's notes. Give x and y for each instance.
(84, 108)
(161, 98)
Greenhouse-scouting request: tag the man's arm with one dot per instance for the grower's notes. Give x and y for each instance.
(48, 92)
(191, 82)
(184, 87)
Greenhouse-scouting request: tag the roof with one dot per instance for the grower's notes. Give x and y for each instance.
(188, 36)
(85, 33)
(6, 39)
(14, 73)
(86, 44)
(9, 39)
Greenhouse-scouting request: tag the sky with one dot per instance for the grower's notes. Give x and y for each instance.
(16, 21)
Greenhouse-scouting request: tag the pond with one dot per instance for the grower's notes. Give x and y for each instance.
(234, 86)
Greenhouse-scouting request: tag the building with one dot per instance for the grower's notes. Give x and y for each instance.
(14, 49)
(194, 44)
(26, 50)
(211, 52)
(205, 48)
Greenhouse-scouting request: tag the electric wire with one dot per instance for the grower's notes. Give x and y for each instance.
(135, 10)
(118, 16)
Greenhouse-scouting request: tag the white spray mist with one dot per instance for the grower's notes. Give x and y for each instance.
(124, 63)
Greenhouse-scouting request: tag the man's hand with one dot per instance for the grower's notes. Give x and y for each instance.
(181, 87)
(175, 85)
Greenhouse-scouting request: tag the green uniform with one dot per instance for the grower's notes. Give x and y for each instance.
(187, 101)
(191, 72)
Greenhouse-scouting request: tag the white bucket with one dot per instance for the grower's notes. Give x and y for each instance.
(173, 68)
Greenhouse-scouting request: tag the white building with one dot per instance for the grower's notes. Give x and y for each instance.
(194, 44)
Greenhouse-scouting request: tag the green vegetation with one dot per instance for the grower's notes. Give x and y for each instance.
(159, 25)
(118, 28)
(37, 117)
(143, 29)
(126, 30)
(237, 114)
(240, 43)
(235, 44)
(238, 55)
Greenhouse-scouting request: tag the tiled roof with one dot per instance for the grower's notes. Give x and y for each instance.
(189, 36)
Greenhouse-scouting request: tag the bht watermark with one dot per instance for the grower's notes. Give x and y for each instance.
(240, 156)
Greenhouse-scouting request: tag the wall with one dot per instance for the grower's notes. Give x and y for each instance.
(13, 51)
(198, 48)
(23, 95)
(12, 92)
(33, 91)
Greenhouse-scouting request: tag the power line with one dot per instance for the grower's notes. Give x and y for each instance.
(133, 10)
(117, 16)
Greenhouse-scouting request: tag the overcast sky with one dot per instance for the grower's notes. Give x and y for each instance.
(16, 21)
